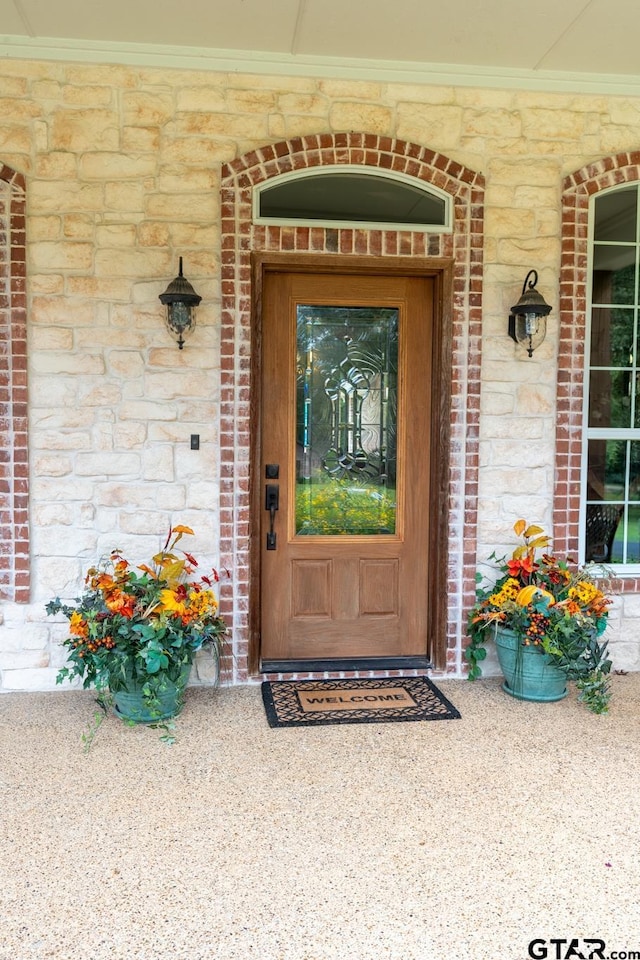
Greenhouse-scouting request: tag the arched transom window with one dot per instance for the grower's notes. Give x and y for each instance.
(347, 195)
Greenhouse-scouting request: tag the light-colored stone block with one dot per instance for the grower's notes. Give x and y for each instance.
(124, 197)
(191, 206)
(87, 96)
(351, 90)
(493, 123)
(110, 262)
(141, 138)
(57, 166)
(125, 364)
(171, 496)
(146, 410)
(158, 464)
(23, 660)
(142, 108)
(211, 98)
(116, 235)
(108, 465)
(52, 514)
(65, 541)
(250, 101)
(360, 116)
(82, 130)
(60, 489)
(524, 170)
(201, 495)
(129, 436)
(153, 234)
(631, 611)
(14, 137)
(110, 166)
(51, 338)
(28, 679)
(504, 222)
(439, 126)
(205, 668)
(625, 655)
(541, 123)
(292, 104)
(61, 256)
(53, 466)
(497, 427)
(178, 384)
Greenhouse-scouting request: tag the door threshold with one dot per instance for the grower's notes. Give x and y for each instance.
(350, 666)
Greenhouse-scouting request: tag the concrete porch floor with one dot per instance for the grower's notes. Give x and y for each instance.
(436, 840)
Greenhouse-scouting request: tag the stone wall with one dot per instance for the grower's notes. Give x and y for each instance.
(122, 168)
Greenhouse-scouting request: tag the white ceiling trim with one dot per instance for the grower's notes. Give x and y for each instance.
(242, 61)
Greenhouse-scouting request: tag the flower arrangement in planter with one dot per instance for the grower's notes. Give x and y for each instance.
(135, 631)
(546, 607)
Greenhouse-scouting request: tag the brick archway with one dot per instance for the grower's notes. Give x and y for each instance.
(463, 246)
(578, 188)
(14, 465)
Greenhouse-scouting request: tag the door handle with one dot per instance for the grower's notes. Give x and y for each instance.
(272, 503)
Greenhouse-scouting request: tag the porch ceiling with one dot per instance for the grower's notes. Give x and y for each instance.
(574, 43)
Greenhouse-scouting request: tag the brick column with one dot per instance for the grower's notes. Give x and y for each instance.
(14, 465)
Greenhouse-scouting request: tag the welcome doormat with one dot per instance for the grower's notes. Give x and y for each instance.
(308, 703)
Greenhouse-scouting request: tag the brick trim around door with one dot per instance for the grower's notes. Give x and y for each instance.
(463, 247)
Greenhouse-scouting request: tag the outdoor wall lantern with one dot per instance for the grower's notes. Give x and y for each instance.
(528, 318)
(181, 300)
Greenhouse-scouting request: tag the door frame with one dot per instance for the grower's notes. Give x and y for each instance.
(442, 272)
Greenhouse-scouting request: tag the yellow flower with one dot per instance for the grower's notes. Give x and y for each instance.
(584, 593)
(170, 602)
(202, 603)
(508, 591)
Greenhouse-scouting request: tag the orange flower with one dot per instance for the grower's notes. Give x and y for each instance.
(521, 565)
(78, 625)
(119, 602)
(102, 581)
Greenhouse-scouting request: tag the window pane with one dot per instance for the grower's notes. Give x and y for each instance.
(347, 390)
(615, 215)
(612, 337)
(356, 197)
(634, 471)
(614, 275)
(626, 547)
(612, 516)
(610, 398)
(603, 526)
(607, 469)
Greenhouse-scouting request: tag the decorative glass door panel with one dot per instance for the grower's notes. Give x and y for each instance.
(345, 441)
(346, 420)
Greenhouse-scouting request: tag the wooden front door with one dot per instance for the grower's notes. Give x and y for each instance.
(345, 446)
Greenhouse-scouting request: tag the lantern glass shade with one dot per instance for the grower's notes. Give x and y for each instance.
(180, 320)
(181, 300)
(528, 317)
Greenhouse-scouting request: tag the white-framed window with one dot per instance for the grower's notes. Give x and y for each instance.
(611, 458)
(349, 196)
